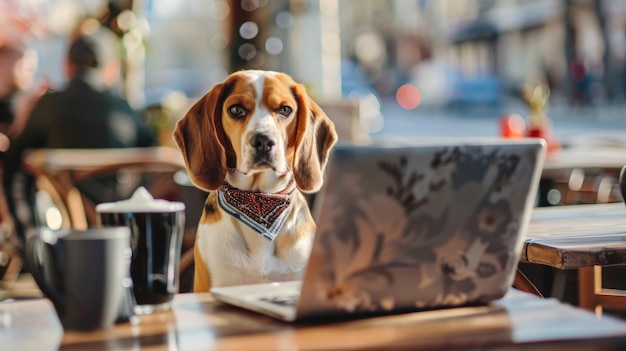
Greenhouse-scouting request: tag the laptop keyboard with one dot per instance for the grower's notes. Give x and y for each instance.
(287, 299)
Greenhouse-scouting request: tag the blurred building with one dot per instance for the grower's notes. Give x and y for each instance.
(482, 51)
(470, 51)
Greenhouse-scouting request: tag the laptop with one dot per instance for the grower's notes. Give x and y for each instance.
(408, 226)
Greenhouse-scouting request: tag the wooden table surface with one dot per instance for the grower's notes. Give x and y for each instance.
(582, 237)
(196, 322)
(576, 236)
(81, 162)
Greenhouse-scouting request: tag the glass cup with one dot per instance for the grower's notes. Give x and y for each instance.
(156, 228)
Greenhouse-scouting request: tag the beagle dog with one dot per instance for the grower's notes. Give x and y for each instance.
(256, 142)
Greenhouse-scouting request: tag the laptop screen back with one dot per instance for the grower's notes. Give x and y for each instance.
(420, 226)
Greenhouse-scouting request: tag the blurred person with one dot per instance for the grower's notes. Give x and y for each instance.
(85, 113)
(17, 93)
(18, 65)
(9, 58)
(580, 83)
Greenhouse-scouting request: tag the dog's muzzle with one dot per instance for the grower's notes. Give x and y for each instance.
(263, 147)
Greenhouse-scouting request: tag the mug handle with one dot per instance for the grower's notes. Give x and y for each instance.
(36, 269)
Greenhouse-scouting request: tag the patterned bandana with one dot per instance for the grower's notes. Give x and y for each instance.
(264, 212)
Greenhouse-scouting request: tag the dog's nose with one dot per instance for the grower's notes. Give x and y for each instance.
(261, 142)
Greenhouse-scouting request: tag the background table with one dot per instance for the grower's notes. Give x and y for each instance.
(581, 237)
(582, 173)
(196, 322)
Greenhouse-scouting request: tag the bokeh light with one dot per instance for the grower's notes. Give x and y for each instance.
(126, 20)
(408, 96)
(219, 10)
(369, 48)
(247, 51)
(90, 26)
(248, 30)
(284, 19)
(54, 219)
(512, 126)
(51, 214)
(273, 45)
(132, 40)
(249, 5)
(370, 116)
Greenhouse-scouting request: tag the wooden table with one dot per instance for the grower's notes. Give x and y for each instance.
(582, 237)
(196, 322)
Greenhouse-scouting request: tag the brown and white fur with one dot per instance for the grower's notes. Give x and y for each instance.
(219, 139)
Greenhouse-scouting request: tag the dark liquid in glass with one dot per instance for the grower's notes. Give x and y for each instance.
(156, 240)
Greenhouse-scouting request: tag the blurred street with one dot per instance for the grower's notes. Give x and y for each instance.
(606, 123)
(475, 55)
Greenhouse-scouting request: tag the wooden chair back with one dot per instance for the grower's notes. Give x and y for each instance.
(62, 173)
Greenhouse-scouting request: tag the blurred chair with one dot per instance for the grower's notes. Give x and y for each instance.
(597, 188)
(11, 256)
(62, 202)
(66, 194)
(521, 282)
(578, 186)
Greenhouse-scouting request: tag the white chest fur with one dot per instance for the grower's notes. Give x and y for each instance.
(235, 254)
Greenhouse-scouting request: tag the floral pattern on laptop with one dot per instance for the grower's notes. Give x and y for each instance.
(445, 225)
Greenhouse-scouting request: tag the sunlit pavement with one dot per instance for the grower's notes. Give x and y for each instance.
(606, 123)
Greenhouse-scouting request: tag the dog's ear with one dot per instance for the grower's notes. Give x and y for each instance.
(315, 136)
(201, 139)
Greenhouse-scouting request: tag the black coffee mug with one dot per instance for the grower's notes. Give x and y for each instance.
(82, 272)
(156, 228)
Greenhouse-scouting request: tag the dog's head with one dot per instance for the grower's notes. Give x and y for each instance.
(256, 126)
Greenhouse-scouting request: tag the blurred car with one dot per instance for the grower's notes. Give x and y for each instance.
(480, 90)
(443, 85)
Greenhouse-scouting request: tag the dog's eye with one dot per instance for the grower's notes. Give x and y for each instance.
(284, 111)
(237, 111)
